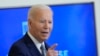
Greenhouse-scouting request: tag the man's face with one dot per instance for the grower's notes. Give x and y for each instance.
(41, 24)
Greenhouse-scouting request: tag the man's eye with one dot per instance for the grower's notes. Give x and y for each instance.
(50, 22)
(41, 21)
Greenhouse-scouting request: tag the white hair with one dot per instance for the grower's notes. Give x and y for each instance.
(35, 7)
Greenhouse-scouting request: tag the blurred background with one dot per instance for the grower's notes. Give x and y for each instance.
(76, 26)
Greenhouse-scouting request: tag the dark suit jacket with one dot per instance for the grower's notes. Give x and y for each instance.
(25, 47)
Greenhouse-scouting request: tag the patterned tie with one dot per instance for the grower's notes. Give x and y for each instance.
(43, 50)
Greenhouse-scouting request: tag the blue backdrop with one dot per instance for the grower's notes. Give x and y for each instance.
(73, 30)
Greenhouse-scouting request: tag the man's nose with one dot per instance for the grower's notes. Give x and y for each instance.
(46, 25)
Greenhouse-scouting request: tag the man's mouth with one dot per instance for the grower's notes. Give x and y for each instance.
(45, 32)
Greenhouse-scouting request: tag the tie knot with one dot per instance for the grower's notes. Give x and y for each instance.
(42, 47)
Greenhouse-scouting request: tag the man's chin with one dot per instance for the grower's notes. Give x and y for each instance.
(45, 38)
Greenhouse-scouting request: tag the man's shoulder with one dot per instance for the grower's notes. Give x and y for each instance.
(18, 48)
(19, 44)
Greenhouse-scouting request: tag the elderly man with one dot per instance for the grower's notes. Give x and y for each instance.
(40, 25)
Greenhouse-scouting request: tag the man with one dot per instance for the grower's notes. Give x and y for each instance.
(40, 24)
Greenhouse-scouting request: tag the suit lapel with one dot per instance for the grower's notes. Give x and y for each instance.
(31, 46)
